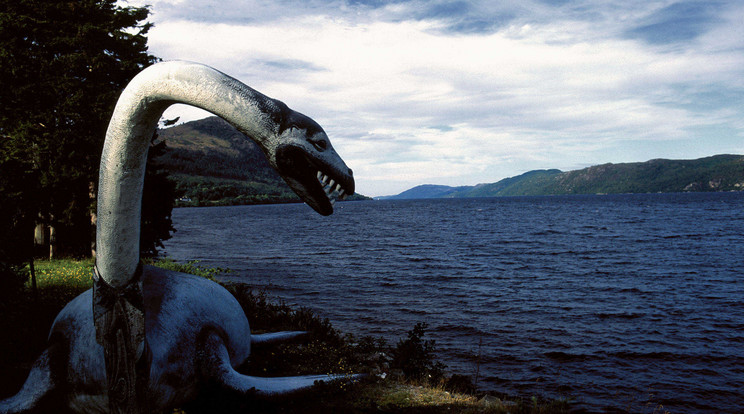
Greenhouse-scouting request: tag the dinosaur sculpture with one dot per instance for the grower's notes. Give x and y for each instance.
(154, 337)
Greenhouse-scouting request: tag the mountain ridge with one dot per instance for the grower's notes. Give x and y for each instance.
(723, 172)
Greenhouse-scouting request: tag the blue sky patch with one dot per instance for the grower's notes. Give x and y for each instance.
(679, 22)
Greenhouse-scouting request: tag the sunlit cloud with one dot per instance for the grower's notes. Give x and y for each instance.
(457, 93)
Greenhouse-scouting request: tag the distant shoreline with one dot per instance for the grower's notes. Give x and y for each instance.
(452, 198)
(718, 173)
(220, 203)
(389, 198)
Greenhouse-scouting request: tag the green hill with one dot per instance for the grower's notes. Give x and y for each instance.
(536, 181)
(214, 164)
(717, 173)
(426, 191)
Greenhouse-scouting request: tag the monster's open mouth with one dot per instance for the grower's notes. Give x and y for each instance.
(333, 190)
(317, 181)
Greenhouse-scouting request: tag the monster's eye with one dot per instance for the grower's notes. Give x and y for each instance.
(320, 144)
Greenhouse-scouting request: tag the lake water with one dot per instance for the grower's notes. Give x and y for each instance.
(622, 302)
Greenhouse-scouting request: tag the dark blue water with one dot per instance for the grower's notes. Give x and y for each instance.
(622, 302)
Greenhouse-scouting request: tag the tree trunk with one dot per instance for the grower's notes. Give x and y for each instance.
(34, 289)
(52, 242)
(39, 235)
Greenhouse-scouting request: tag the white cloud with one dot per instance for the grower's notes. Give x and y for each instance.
(410, 100)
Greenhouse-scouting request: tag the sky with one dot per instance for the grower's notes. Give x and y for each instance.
(417, 92)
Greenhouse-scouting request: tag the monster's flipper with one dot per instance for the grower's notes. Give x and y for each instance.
(215, 365)
(38, 385)
(275, 337)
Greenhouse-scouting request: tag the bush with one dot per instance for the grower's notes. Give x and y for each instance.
(462, 384)
(12, 278)
(192, 266)
(415, 357)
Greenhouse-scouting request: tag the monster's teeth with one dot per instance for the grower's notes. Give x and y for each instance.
(332, 189)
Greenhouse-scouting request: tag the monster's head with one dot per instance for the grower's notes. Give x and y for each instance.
(304, 157)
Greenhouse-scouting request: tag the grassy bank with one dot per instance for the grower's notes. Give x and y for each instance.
(405, 377)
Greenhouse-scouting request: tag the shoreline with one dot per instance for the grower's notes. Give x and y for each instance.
(391, 388)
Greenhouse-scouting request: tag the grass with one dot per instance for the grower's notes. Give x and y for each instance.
(192, 267)
(75, 275)
(26, 319)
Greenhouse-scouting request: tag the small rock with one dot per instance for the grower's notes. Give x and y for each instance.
(489, 400)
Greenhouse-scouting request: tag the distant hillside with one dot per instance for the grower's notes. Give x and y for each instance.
(510, 186)
(427, 191)
(214, 164)
(717, 173)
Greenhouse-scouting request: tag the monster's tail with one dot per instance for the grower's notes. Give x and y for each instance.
(37, 386)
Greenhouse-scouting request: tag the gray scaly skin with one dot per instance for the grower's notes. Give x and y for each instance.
(196, 332)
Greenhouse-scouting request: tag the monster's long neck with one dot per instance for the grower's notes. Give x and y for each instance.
(128, 138)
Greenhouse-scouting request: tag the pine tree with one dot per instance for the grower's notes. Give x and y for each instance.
(63, 64)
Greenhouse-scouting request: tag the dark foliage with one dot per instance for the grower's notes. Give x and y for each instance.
(62, 67)
(15, 226)
(12, 277)
(415, 357)
(25, 326)
(158, 198)
(211, 191)
(461, 384)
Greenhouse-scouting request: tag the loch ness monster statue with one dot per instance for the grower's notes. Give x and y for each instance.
(145, 339)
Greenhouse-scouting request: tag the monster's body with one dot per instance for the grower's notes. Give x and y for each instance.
(194, 329)
(178, 309)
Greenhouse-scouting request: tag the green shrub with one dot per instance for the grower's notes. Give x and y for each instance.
(12, 279)
(415, 357)
(192, 267)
